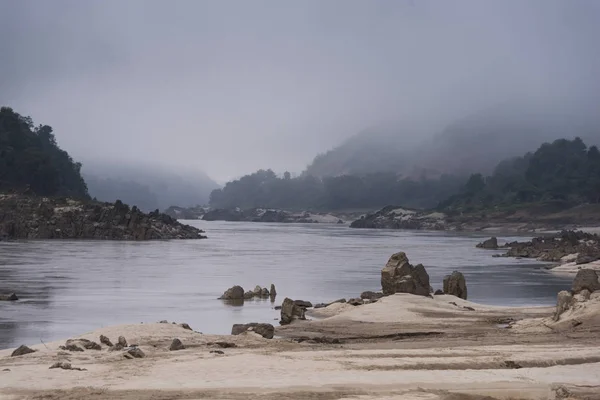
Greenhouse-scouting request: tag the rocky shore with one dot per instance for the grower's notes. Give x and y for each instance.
(29, 217)
(269, 215)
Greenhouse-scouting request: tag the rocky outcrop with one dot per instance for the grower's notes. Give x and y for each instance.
(105, 340)
(564, 301)
(399, 276)
(371, 296)
(555, 247)
(291, 311)
(82, 344)
(28, 217)
(136, 352)
(396, 217)
(236, 293)
(490, 244)
(265, 330)
(9, 297)
(22, 350)
(586, 279)
(455, 285)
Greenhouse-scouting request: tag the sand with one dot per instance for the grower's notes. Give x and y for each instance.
(402, 347)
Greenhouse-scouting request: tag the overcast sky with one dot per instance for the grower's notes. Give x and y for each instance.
(233, 86)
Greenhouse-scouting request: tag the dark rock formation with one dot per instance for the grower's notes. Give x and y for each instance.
(9, 297)
(265, 330)
(176, 345)
(438, 292)
(105, 340)
(185, 326)
(233, 293)
(456, 285)
(585, 279)
(322, 305)
(399, 276)
(491, 244)
(555, 247)
(303, 303)
(22, 350)
(136, 352)
(272, 291)
(82, 343)
(290, 311)
(368, 295)
(356, 302)
(122, 342)
(27, 217)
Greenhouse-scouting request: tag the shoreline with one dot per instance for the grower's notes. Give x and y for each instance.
(403, 346)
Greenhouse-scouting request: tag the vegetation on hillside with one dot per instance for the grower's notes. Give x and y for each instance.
(563, 173)
(30, 159)
(264, 189)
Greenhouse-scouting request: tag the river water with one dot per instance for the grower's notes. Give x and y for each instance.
(71, 287)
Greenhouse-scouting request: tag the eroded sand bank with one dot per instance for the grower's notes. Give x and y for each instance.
(402, 347)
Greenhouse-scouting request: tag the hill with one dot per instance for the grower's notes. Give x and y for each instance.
(31, 160)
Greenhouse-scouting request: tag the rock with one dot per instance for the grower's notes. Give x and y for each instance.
(290, 311)
(63, 218)
(337, 301)
(217, 351)
(490, 244)
(398, 276)
(320, 305)
(564, 300)
(368, 295)
(225, 345)
(302, 303)
(257, 291)
(277, 307)
(164, 321)
(176, 345)
(264, 293)
(248, 295)
(136, 352)
(105, 340)
(396, 217)
(185, 326)
(82, 343)
(356, 302)
(71, 347)
(65, 365)
(455, 285)
(265, 330)
(585, 279)
(272, 291)
(22, 350)
(233, 293)
(122, 341)
(438, 292)
(9, 297)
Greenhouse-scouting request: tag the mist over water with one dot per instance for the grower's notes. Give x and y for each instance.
(71, 287)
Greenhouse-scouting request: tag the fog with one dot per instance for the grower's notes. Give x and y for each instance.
(228, 87)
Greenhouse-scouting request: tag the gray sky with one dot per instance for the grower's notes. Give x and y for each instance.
(233, 86)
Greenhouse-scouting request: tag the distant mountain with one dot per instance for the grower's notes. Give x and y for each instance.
(149, 187)
(476, 143)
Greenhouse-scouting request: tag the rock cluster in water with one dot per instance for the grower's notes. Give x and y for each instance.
(236, 293)
(28, 217)
(396, 217)
(267, 215)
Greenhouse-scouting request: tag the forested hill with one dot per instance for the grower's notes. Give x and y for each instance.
(264, 189)
(564, 173)
(30, 159)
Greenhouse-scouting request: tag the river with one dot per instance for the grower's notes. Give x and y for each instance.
(71, 287)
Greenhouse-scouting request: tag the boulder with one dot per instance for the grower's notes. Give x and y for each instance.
(265, 330)
(82, 343)
(564, 300)
(368, 295)
(65, 365)
(264, 293)
(490, 244)
(399, 276)
(303, 303)
(438, 292)
(585, 279)
(249, 295)
(185, 326)
(455, 285)
(176, 345)
(582, 296)
(105, 340)
(122, 341)
(233, 293)
(71, 347)
(272, 291)
(136, 352)
(257, 291)
(291, 311)
(356, 302)
(9, 297)
(22, 350)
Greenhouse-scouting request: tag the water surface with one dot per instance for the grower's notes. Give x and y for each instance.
(71, 287)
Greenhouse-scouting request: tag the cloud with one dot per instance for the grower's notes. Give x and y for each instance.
(233, 86)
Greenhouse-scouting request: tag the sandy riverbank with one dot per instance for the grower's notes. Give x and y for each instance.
(403, 347)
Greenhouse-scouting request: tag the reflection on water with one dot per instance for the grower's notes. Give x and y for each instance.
(70, 287)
